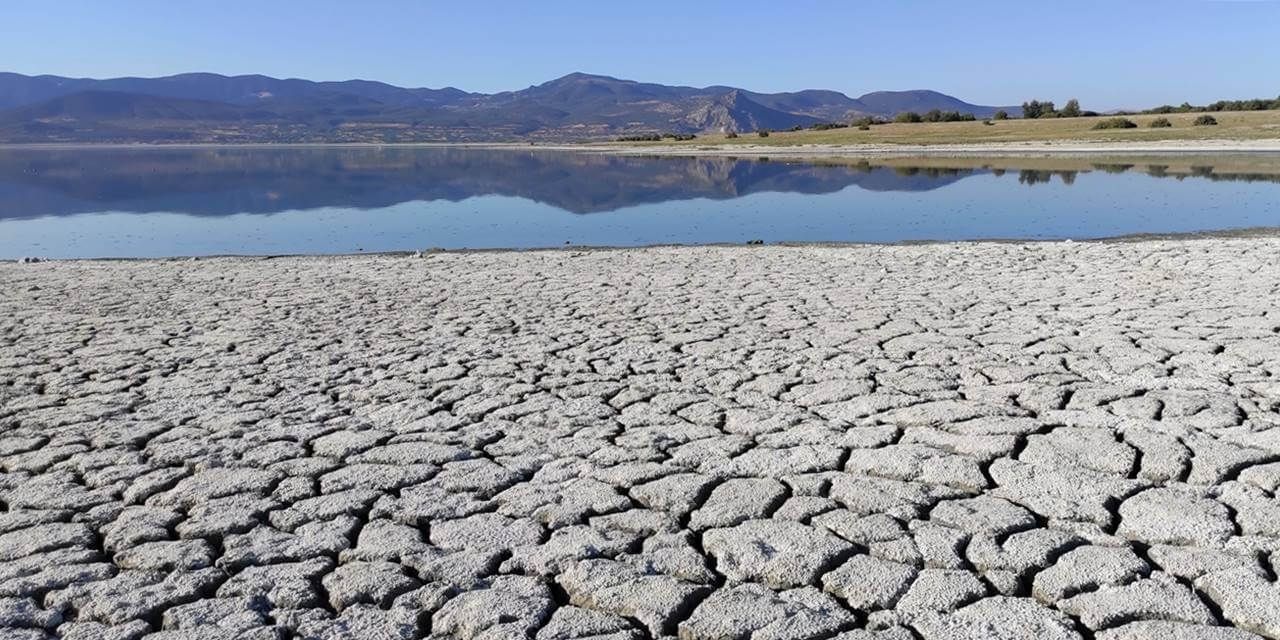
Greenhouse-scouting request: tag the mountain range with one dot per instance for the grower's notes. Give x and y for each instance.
(205, 107)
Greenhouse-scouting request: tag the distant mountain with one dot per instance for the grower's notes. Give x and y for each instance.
(251, 90)
(88, 106)
(921, 101)
(205, 107)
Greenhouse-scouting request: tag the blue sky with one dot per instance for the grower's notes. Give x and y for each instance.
(1117, 53)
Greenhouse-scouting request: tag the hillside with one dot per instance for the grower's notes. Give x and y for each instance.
(203, 107)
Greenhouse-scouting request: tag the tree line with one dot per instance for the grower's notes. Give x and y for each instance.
(934, 115)
(1256, 104)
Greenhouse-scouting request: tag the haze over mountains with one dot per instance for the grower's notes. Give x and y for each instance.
(204, 107)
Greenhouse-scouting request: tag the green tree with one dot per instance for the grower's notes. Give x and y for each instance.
(1072, 110)
(908, 116)
(1002, 115)
(1037, 109)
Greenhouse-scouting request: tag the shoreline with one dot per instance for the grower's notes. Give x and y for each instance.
(1243, 234)
(1069, 148)
(1027, 149)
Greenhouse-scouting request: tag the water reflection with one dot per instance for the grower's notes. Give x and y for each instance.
(226, 181)
(204, 201)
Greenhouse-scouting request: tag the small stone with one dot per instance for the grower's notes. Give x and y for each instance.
(737, 501)
(983, 515)
(868, 583)
(486, 532)
(753, 611)
(1171, 516)
(1157, 598)
(1160, 630)
(621, 589)
(1086, 569)
(167, 555)
(779, 553)
(575, 623)
(998, 618)
(940, 591)
(1247, 600)
(511, 606)
(376, 583)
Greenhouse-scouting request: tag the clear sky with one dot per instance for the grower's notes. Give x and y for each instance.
(1110, 54)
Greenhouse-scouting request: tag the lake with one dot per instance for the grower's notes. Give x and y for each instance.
(111, 202)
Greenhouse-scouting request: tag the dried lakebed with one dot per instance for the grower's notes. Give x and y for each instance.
(1046, 441)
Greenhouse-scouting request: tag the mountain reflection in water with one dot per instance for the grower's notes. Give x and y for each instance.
(226, 181)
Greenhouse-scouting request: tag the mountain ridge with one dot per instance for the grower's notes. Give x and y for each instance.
(259, 108)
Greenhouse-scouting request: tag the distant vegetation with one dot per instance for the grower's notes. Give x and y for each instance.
(1036, 109)
(1002, 115)
(935, 115)
(656, 137)
(1160, 123)
(763, 133)
(731, 134)
(1257, 104)
(1116, 123)
(1205, 121)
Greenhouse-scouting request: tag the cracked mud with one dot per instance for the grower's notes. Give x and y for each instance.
(1048, 441)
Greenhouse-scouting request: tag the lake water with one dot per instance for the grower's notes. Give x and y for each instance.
(206, 201)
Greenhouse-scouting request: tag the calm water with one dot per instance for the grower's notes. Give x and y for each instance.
(167, 202)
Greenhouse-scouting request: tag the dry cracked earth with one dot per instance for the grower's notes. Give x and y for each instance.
(982, 441)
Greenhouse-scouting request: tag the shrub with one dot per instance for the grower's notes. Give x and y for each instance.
(1160, 123)
(823, 126)
(908, 116)
(1072, 110)
(644, 137)
(937, 115)
(1116, 123)
(1002, 115)
(763, 133)
(1205, 121)
(1245, 105)
(864, 127)
(989, 123)
(797, 128)
(866, 121)
(731, 134)
(1038, 109)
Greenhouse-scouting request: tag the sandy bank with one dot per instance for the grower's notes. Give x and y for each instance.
(1039, 148)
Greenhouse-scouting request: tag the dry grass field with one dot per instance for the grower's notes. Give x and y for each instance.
(1232, 125)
